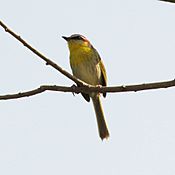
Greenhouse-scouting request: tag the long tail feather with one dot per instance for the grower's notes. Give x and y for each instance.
(102, 127)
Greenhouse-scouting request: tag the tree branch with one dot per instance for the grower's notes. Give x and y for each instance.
(84, 87)
(47, 60)
(75, 89)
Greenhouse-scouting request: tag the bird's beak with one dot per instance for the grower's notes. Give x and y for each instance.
(66, 38)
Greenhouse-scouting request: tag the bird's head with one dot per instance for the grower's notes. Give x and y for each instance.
(77, 41)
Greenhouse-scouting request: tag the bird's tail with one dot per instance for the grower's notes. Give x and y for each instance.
(102, 127)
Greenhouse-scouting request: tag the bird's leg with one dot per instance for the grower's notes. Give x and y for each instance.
(73, 87)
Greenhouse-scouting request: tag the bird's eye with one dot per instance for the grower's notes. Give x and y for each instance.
(77, 37)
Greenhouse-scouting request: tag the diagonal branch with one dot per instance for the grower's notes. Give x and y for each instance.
(85, 89)
(47, 60)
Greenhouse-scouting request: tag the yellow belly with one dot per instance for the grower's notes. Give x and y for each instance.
(86, 68)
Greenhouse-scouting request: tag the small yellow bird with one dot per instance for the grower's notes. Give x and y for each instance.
(87, 66)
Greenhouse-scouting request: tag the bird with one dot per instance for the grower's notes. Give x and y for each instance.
(86, 65)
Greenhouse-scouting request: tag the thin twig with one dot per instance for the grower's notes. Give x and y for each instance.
(47, 60)
(75, 89)
(173, 1)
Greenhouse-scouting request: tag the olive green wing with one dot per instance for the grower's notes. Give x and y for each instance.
(103, 76)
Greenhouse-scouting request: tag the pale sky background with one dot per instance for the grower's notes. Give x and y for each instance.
(56, 133)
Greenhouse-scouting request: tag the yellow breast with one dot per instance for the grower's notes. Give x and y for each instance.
(85, 65)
